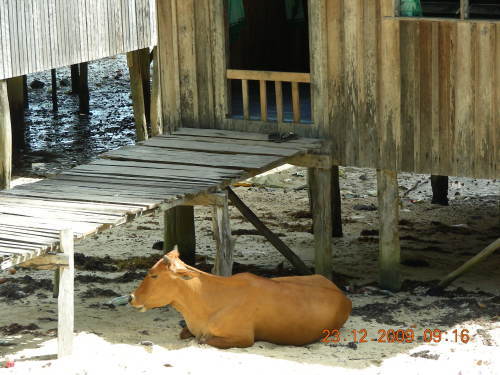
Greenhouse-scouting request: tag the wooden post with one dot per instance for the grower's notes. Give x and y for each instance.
(75, 79)
(5, 138)
(83, 90)
(389, 249)
(320, 188)
(336, 203)
(65, 325)
(53, 76)
(15, 88)
(439, 190)
(156, 125)
(222, 233)
(145, 63)
(25, 91)
(336, 200)
(179, 230)
(134, 61)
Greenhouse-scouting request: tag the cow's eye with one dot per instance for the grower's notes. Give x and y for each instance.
(154, 276)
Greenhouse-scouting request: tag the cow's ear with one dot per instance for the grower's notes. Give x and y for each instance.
(166, 260)
(180, 270)
(174, 253)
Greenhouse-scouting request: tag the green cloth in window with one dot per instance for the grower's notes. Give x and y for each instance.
(294, 11)
(236, 16)
(410, 8)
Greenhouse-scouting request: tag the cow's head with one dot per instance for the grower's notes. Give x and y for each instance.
(162, 282)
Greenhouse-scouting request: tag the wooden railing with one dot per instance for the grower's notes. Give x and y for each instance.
(278, 78)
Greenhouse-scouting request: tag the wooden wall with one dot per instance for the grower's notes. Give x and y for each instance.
(416, 95)
(450, 97)
(37, 35)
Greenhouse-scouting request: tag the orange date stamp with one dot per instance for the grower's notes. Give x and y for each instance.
(396, 336)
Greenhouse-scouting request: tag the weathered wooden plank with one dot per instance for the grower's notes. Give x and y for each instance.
(484, 104)
(149, 154)
(218, 147)
(219, 43)
(425, 161)
(230, 134)
(177, 169)
(258, 75)
(5, 138)
(204, 66)
(295, 102)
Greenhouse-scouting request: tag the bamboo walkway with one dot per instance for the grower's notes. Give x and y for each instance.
(132, 181)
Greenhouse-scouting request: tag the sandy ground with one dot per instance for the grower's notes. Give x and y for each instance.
(434, 239)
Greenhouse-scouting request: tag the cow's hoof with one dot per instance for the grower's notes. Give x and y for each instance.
(185, 334)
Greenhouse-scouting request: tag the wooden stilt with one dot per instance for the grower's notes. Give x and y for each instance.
(5, 138)
(25, 91)
(83, 89)
(336, 203)
(270, 236)
(136, 86)
(156, 125)
(65, 326)
(389, 249)
(53, 76)
(320, 188)
(15, 88)
(179, 230)
(439, 190)
(222, 233)
(469, 264)
(75, 79)
(145, 60)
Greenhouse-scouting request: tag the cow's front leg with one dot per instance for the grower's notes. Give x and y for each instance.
(185, 334)
(227, 342)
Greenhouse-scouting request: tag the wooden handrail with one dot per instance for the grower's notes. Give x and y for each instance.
(258, 75)
(278, 78)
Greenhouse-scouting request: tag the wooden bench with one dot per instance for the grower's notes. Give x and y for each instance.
(40, 221)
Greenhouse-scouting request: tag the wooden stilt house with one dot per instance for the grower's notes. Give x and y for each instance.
(415, 94)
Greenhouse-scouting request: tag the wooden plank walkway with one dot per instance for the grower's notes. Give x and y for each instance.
(132, 181)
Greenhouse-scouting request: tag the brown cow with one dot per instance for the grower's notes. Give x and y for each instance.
(236, 311)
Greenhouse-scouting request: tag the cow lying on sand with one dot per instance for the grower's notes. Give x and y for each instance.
(236, 311)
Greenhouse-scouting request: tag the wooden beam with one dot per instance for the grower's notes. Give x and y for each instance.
(486, 252)
(156, 124)
(336, 203)
(15, 88)
(311, 161)
(83, 89)
(258, 75)
(389, 249)
(244, 93)
(179, 229)
(222, 233)
(268, 234)
(66, 314)
(75, 78)
(53, 76)
(320, 190)
(5, 138)
(47, 262)
(134, 61)
(278, 87)
(295, 102)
